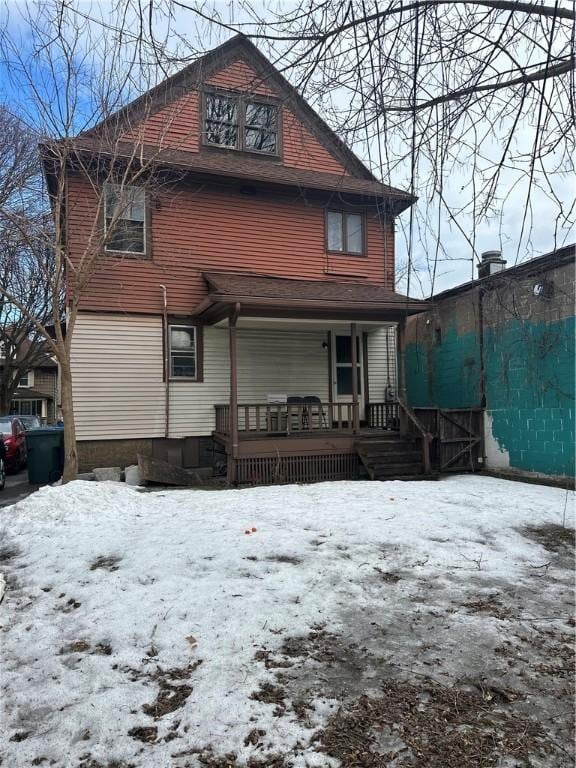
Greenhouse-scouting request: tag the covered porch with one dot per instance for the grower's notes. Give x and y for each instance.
(332, 382)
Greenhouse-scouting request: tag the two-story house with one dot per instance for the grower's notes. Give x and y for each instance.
(246, 312)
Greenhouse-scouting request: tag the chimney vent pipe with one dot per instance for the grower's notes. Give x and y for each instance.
(492, 262)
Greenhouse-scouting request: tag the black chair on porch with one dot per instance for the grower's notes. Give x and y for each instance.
(294, 414)
(314, 408)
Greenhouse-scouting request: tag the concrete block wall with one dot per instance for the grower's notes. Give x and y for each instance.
(530, 384)
(526, 346)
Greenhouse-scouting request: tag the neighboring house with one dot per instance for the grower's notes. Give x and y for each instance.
(504, 343)
(240, 288)
(37, 392)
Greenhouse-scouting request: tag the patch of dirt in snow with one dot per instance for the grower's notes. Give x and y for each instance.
(87, 761)
(207, 758)
(107, 563)
(428, 725)
(170, 696)
(9, 552)
(490, 605)
(553, 537)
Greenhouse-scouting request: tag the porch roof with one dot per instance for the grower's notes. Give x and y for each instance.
(263, 295)
(27, 393)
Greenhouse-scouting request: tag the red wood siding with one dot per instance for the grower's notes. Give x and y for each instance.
(196, 229)
(178, 125)
(240, 76)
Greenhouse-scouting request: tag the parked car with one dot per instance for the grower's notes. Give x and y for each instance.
(14, 437)
(2, 465)
(30, 422)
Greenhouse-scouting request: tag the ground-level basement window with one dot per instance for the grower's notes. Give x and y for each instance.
(183, 352)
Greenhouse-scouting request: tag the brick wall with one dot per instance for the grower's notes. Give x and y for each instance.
(526, 347)
(443, 354)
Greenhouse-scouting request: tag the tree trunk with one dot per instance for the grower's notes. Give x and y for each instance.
(70, 454)
(5, 400)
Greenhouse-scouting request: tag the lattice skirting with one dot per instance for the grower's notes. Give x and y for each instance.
(298, 469)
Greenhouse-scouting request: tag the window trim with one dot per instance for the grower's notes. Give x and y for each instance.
(179, 322)
(145, 253)
(363, 253)
(29, 380)
(242, 98)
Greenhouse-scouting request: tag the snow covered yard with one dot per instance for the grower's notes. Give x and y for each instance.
(357, 624)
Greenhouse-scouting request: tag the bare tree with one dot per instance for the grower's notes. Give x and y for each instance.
(22, 348)
(75, 81)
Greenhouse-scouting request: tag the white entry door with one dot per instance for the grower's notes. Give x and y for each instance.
(342, 369)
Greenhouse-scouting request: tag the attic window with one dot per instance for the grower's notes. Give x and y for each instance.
(235, 121)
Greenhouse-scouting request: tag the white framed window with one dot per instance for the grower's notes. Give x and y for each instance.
(345, 232)
(125, 219)
(183, 352)
(27, 380)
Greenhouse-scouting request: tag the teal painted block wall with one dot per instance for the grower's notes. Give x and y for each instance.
(530, 384)
(446, 372)
(529, 369)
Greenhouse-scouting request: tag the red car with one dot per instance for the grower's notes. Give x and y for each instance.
(14, 437)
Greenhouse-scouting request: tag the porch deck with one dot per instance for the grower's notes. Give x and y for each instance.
(328, 441)
(305, 442)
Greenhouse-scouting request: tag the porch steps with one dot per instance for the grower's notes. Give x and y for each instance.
(390, 456)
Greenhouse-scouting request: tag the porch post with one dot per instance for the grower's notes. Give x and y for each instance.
(355, 410)
(232, 459)
(401, 368)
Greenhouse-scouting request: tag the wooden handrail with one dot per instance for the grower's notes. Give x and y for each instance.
(426, 436)
(266, 418)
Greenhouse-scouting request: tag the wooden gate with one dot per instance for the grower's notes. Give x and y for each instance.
(457, 437)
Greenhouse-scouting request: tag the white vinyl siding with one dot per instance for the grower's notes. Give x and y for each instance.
(117, 369)
(117, 372)
(381, 363)
(281, 362)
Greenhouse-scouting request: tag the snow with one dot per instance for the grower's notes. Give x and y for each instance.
(142, 582)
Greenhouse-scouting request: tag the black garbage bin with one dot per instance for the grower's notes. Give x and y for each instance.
(45, 455)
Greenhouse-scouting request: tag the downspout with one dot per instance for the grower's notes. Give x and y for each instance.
(166, 362)
(482, 373)
(232, 473)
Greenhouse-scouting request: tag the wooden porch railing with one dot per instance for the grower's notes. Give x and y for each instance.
(276, 418)
(383, 415)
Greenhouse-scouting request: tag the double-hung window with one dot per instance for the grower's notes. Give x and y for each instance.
(125, 219)
(345, 232)
(26, 380)
(183, 352)
(237, 121)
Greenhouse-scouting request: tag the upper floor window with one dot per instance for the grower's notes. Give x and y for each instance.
(183, 352)
(27, 380)
(125, 219)
(345, 232)
(241, 122)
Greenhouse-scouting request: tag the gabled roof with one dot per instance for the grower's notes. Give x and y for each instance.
(195, 74)
(285, 297)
